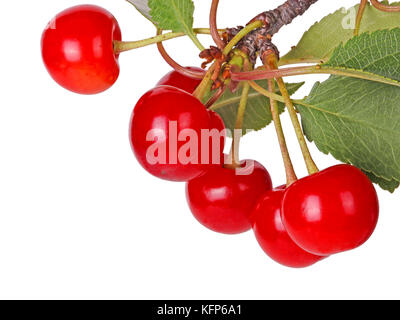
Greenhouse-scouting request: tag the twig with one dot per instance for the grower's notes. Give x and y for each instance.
(272, 21)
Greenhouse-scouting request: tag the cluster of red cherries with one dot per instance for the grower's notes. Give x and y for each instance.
(329, 212)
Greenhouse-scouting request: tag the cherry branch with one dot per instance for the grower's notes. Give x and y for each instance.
(259, 41)
(244, 32)
(251, 41)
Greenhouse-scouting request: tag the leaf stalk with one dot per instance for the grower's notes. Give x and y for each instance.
(315, 69)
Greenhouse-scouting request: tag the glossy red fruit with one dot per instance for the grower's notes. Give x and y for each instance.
(272, 235)
(332, 211)
(77, 49)
(216, 120)
(178, 80)
(222, 200)
(166, 134)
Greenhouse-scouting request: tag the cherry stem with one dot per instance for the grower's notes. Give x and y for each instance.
(204, 84)
(215, 96)
(246, 30)
(311, 167)
(234, 154)
(384, 7)
(187, 72)
(213, 25)
(360, 15)
(289, 169)
(122, 46)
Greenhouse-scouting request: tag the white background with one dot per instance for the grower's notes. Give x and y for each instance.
(79, 218)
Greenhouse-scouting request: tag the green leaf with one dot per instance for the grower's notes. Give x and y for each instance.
(258, 114)
(377, 53)
(387, 185)
(319, 42)
(143, 7)
(174, 15)
(357, 121)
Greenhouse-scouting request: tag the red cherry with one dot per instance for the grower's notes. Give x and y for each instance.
(272, 235)
(166, 134)
(77, 49)
(181, 81)
(222, 200)
(331, 211)
(216, 121)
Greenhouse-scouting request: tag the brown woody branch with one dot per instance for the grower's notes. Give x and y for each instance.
(259, 41)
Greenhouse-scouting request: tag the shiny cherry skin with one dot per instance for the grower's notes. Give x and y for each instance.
(332, 211)
(222, 200)
(164, 122)
(185, 83)
(77, 49)
(216, 121)
(178, 80)
(272, 235)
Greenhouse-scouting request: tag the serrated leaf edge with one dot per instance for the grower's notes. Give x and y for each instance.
(324, 149)
(285, 60)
